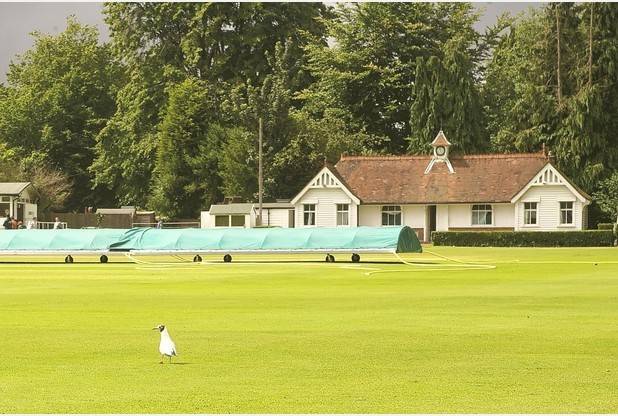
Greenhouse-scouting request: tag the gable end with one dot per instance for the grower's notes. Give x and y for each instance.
(325, 179)
(549, 175)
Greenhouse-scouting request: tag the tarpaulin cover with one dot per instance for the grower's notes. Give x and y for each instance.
(398, 239)
(59, 240)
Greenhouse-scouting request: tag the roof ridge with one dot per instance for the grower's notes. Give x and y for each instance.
(539, 154)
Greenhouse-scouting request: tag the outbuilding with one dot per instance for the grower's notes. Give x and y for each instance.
(15, 201)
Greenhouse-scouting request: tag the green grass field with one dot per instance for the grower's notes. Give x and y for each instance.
(539, 333)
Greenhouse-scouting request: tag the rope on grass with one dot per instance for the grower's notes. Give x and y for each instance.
(183, 262)
(435, 267)
(460, 263)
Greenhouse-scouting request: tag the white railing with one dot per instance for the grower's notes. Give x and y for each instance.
(44, 225)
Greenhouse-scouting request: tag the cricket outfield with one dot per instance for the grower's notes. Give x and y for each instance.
(537, 333)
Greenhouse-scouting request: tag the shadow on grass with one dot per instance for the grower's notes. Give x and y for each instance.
(221, 262)
(322, 261)
(62, 262)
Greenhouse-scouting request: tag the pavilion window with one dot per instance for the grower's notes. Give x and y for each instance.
(566, 213)
(343, 214)
(309, 214)
(391, 215)
(482, 214)
(530, 213)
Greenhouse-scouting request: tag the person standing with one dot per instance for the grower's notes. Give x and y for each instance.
(57, 224)
(7, 223)
(32, 224)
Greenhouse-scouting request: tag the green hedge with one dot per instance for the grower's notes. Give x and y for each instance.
(590, 238)
(605, 226)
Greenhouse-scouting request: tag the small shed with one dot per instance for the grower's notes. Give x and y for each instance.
(15, 201)
(116, 217)
(229, 215)
(275, 214)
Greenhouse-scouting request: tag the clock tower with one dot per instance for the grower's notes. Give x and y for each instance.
(440, 152)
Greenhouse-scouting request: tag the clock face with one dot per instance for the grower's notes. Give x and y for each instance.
(440, 150)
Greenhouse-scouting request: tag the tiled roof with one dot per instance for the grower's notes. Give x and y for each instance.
(401, 179)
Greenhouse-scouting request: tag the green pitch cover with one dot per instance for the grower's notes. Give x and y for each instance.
(394, 239)
(59, 240)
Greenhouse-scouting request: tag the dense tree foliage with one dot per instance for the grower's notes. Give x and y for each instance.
(166, 115)
(183, 134)
(368, 72)
(446, 97)
(607, 196)
(60, 95)
(228, 47)
(552, 80)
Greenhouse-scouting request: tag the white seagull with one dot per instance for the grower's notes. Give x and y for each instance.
(167, 347)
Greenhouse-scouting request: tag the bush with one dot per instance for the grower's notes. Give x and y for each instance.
(590, 238)
(605, 226)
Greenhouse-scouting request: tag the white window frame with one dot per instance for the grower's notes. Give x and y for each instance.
(565, 211)
(343, 214)
(309, 214)
(393, 215)
(480, 211)
(530, 211)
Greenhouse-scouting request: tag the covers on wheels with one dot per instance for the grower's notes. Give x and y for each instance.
(378, 239)
(387, 239)
(59, 240)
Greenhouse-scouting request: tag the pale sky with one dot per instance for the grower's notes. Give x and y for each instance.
(18, 20)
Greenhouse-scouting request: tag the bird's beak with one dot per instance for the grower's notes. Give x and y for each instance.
(155, 328)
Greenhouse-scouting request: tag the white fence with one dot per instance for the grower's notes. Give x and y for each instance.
(43, 225)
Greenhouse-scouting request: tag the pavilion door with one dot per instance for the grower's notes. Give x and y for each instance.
(431, 220)
(20, 211)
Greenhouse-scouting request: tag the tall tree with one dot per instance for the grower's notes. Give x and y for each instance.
(522, 93)
(368, 71)
(225, 45)
(445, 97)
(182, 135)
(60, 95)
(272, 101)
(588, 142)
